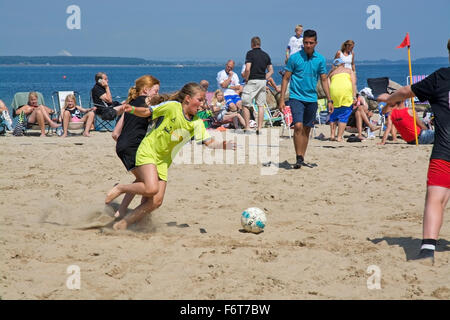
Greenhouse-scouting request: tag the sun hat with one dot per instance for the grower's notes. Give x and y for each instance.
(338, 61)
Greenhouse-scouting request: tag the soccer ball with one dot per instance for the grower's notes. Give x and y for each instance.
(253, 220)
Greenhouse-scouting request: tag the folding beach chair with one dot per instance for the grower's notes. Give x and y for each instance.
(272, 116)
(20, 99)
(99, 123)
(60, 98)
(413, 80)
(379, 86)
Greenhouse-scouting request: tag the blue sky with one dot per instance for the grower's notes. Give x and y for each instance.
(211, 30)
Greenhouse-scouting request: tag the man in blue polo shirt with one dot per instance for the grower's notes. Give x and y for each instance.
(303, 70)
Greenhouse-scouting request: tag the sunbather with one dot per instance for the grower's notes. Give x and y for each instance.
(37, 113)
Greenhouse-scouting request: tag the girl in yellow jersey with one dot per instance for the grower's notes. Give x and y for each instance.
(174, 125)
(342, 83)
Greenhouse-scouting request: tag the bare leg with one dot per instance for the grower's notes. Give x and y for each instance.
(246, 113)
(341, 129)
(435, 202)
(359, 121)
(332, 131)
(301, 138)
(66, 120)
(89, 119)
(127, 199)
(260, 117)
(143, 209)
(40, 120)
(147, 185)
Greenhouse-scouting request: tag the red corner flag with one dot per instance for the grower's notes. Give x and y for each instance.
(405, 42)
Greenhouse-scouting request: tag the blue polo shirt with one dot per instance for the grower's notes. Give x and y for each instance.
(305, 74)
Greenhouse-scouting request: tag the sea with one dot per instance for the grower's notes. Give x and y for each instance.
(49, 79)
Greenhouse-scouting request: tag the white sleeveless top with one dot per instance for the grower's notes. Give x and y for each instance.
(347, 60)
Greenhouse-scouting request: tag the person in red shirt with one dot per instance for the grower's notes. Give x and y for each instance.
(402, 119)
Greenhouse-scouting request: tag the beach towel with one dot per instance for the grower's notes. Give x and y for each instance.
(21, 125)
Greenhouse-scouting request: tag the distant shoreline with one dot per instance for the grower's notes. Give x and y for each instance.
(43, 61)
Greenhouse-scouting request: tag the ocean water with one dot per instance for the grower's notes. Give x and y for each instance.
(48, 79)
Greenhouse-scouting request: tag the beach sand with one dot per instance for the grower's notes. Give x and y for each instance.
(360, 207)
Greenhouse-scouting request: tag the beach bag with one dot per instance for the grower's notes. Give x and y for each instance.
(21, 125)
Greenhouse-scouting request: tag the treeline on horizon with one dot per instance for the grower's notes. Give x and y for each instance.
(66, 60)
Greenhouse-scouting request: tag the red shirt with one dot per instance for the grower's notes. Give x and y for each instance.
(404, 123)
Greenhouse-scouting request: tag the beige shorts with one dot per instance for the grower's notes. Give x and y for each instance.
(254, 89)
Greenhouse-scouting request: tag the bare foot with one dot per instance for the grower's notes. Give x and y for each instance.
(54, 125)
(361, 137)
(332, 139)
(64, 135)
(339, 140)
(43, 135)
(121, 225)
(112, 194)
(86, 134)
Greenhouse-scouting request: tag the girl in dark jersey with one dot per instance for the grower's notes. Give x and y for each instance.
(134, 129)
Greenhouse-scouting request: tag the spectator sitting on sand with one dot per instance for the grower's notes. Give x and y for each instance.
(402, 119)
(360, 117)
(222, 112)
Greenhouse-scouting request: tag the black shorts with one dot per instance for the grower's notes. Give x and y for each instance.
(128, 157)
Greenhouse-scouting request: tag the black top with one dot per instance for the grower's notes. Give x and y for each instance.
(97, 92)
(436, 89)
(134, 128)
(75, 113)
(260, 61)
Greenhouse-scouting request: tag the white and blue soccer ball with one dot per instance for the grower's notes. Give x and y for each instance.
(253, 220)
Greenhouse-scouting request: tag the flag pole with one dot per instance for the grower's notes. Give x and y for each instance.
(412, 99)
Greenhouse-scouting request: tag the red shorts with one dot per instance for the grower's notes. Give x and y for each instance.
(439, 173)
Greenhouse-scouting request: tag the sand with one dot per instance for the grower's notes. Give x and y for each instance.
(360, 207)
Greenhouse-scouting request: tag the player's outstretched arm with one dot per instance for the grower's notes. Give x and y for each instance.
(211, 143)
(137, 111)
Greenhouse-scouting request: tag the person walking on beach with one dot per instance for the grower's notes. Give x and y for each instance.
(302, 71)
(175, 124)
(256, 63)
(295, 42)
(436, 89)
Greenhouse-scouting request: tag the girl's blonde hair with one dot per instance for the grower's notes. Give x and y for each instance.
(216, 93)
(348, 42)
(32, 94)
(146, 81)
(69, 96)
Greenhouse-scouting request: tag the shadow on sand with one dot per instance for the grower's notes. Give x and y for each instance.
(410, 245)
